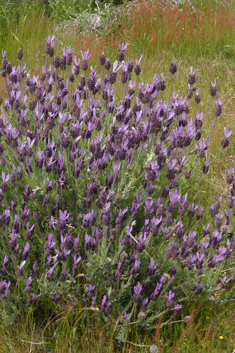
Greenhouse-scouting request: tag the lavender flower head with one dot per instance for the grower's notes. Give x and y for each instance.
(137, 68)
(218, 108)
(50, 45)
(227, 134)
(121, 55)
(169, 299)
(213, 90)
(137, 293)
(192, 78)
(152, 268)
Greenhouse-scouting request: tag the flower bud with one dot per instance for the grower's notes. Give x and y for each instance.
(20, 54)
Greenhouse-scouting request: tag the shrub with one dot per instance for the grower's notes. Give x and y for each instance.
(96, 209)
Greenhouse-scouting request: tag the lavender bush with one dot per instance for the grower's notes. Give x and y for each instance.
(95, 202)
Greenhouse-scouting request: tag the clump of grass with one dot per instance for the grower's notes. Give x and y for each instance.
(24, 24)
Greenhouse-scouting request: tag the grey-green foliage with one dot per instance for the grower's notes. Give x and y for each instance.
(91, 17)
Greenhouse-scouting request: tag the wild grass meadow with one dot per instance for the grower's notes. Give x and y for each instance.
(117, 191)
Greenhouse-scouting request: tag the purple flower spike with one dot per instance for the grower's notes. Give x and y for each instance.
(86, 55)
(145, 301)
(50, 46)
(137, 293)
(123, 46)
(4, 177)
(121, 55)
(137, 68)
(49, 41)
(219, 220)
(135, 267)
(28, 284)
(157, 291)
(198, 288)
(50, 274)
(116, 167)
(5, 289)
(223, 281)
(24, 255)
(103, 303)
(171, 165)
(144, 304)
(192, 72)
(199, 261)
(217, 258)
(152, 268)
(218, 108)
(64, 275)
(227, 134)
(169, 299)
(138, 61)
(174, 196)
(104, 299)
(5, 261)
(64, 215)
(206, 167)
(230, 177)
(192, 78)
(192, 208)
(91, 288)
(29, 231)
(177, 309)
(171, 250)
(148, 203)
(213, 89)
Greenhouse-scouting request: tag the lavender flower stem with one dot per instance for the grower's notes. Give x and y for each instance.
(212, 128)
(21, 84)
(204, 119)
(171, 90)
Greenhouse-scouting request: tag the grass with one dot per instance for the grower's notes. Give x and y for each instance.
(210, 330)
(203, 39)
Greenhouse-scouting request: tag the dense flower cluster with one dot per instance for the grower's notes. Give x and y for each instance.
(97, 186)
